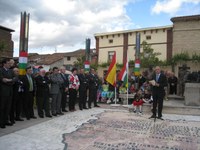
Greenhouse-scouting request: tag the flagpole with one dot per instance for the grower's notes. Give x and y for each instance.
(115, 99)
(115, 91)
(127, 70)
(115, 94)
(127, 74)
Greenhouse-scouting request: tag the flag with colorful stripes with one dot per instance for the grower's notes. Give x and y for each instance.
(87, 66)
(123, 74)
(111, 75)
(137, 67)
(23, 60)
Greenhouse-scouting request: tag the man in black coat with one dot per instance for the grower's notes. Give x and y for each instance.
(93, 87)
(42, 94)
(29, 93)
(16, 107)
(82, 89)
(172, 80)
(64, 88)
(6, 92)
(158, 92)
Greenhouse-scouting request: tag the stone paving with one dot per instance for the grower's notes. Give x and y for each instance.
(48, 135)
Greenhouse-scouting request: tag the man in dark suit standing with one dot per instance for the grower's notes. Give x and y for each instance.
(172, 80)
(16, 107)
(158, 92)
(6, 92)
(55, 91)
(28, 95)
(82, 89)
(42, 94)
(64, 88)
(93, 87)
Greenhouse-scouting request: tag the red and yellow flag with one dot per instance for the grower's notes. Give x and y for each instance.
(111, 75)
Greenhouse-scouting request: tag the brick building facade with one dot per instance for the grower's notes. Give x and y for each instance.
(182, 36)
(6, 43)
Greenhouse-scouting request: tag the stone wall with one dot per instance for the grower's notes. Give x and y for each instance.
(186, 34)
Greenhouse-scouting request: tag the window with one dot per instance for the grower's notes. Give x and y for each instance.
(68, 58)
(110, 41)
(148, 37)
(110, 55)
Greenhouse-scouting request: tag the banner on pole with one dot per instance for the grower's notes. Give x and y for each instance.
(87, 66)
(137, 67)
(23, 60)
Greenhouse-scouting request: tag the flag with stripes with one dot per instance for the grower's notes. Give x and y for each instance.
(23, 60)
(123, 75)
(137, 67)
(111, 74)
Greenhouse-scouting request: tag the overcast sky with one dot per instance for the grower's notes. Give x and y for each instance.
(63, 25)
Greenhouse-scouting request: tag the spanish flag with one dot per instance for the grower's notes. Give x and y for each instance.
(111, 75)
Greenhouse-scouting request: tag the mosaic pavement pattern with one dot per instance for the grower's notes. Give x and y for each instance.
(119, 130)
(107, 129)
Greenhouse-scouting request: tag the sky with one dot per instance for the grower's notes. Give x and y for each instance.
(64, 25)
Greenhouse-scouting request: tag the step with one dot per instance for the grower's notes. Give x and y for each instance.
(173, 107)
(175, 97)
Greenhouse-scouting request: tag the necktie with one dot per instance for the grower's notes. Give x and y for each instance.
(30, 83)
(157, 77)
(64, 76)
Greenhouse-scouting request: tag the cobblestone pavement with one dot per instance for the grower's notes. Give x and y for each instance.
(48, 135)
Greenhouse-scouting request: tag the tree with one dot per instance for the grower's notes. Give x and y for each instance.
(148, 56)
(79, 63)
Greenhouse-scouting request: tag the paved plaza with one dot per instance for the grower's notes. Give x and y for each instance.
(59, 132)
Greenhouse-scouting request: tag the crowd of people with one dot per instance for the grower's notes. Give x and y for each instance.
(47, 91)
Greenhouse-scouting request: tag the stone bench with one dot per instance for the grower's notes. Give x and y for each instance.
(192, 94)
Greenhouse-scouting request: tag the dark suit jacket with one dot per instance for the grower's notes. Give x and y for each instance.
(26, 84)
(6, 89)
(42, 86)
(66, 81)
(93, 81)
(83, 82)
(162, 81)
